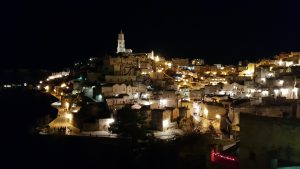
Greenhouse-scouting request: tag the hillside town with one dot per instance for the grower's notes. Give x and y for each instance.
(174, 96)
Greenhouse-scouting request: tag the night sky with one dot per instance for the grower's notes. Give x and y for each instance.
(54, 34)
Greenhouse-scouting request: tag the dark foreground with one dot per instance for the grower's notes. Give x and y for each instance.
(22, 148)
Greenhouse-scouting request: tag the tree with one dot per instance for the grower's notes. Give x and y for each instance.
(129, 123)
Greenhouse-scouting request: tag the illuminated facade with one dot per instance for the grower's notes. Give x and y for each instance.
(249, 70)
(121, 44)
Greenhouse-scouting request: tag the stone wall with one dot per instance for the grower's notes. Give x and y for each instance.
(265, 139)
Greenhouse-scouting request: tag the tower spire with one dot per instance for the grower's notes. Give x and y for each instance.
(121, 42)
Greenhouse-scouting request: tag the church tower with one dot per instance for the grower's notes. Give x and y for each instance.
(121, 43)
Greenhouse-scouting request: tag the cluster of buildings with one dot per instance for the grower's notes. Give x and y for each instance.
(178, 88)
(214, 92)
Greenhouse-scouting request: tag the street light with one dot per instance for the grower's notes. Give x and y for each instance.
(67, 104)
(69, 116)
(63, 85)
(47, 88)
(205, 112)
(156, 59)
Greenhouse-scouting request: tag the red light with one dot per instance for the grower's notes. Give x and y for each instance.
(224, 160)
(212, 155)
(221, 156)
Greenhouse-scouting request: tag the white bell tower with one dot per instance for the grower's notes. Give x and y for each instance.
(121, 43)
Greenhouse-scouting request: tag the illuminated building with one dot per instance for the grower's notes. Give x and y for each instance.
(121, 44)
(198, 62)
(161, 119)
(249, 70)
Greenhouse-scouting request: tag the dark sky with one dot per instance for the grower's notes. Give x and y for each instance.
(53, 34)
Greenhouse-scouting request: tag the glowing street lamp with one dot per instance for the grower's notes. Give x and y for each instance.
(63, 85)
(281, 82)
(67, 104)
(47, 88)
(218, 116)
(205, 112)
(69, 116)
(156, 59)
